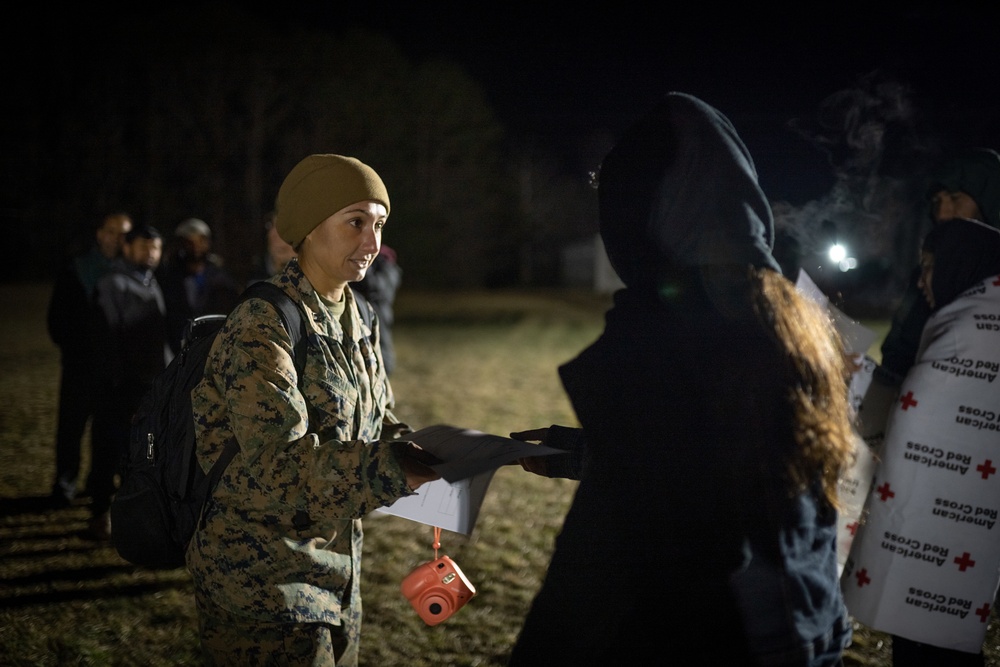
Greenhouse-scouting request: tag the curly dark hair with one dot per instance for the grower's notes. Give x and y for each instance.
(819, 395)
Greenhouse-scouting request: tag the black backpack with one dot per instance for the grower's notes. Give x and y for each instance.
(163, 489)
(156, 509)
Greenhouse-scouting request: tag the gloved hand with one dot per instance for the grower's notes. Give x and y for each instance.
(394, 431)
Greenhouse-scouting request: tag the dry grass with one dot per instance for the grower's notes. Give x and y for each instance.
(479, 360)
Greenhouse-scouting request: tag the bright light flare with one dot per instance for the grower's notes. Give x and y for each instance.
(837, 253)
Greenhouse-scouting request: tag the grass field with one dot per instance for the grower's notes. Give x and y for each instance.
(479, 360)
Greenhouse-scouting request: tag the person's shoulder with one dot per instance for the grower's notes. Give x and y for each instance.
(386, 263)
(251, 337)
(215, 263)
(171, 268)
(116, 270)
(87, 258)
(113, 282)
(68, 269)
(218, 273)
(257, 317)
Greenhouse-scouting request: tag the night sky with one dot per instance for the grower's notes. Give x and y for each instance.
(571, 76)
(574, 79)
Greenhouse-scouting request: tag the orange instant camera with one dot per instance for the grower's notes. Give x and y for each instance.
(437, 589)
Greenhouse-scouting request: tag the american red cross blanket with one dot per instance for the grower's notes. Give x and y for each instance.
(853, 487)
(925, 562)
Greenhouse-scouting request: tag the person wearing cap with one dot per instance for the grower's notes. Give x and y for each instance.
(714, 427)
(965, 185)
(276, 560)
(194, 281)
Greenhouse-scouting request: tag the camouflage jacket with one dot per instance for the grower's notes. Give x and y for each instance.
(281, 537)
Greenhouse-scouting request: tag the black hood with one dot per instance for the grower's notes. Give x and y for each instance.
(680, 190)
(965, 252)
(976, 172)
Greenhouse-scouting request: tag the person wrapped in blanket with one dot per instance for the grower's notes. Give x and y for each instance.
(965, 185)
(935, 457)
(714, 424)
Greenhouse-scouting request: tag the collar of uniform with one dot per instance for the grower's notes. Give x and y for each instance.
(323, 320)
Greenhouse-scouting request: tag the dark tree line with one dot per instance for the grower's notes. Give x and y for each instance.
(200, 112)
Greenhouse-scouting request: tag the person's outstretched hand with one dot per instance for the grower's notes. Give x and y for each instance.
(417, 464)
(533, 464)
(395, 431)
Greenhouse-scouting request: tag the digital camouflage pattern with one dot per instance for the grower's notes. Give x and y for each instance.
(281, 538)
(229, 640)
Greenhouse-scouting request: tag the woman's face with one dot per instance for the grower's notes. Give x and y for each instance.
(926, 275)
(946, 205)
(342, 247)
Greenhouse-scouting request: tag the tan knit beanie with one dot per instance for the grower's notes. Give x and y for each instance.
(319, 186)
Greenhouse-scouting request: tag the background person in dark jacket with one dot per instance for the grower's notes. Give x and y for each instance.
(193, 279)
(130, 335)
(276, 252)
(68, 318)
(379, 286)
(715, 426)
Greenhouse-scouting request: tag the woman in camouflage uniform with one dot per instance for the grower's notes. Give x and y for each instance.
(277, 560)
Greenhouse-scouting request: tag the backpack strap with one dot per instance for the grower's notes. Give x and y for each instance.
(365, 308)
(291, 317)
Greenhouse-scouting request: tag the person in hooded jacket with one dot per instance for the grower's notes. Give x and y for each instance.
(965, 185)
(714, 426)
(936, 423)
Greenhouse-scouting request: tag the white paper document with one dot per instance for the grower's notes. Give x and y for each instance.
(470, 458)
(857, 337)
(452, 506)
(856, 481)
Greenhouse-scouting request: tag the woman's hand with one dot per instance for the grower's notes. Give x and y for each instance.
(532, 435)
(853, 363)
(533, 464)
(417, 464)
(395, 431)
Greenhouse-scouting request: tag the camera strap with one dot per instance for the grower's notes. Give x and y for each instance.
(437, 541)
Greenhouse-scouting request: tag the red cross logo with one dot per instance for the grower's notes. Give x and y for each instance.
(964, 562)
(983, 612)
(986, 468)
(853, 527)
(886, 492)
(863, 579)
(908, 401)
